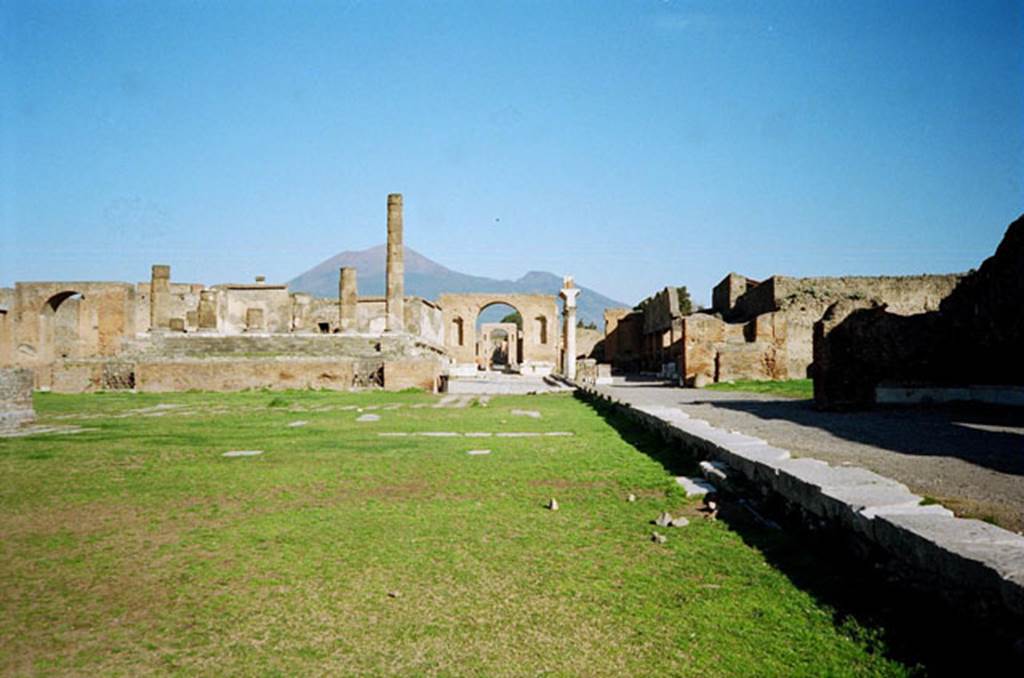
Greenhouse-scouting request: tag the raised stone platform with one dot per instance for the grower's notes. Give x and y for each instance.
(972, 564)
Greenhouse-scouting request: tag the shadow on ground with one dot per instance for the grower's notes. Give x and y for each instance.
(970, 433)
(915, 629)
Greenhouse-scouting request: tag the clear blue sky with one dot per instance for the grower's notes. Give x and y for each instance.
(634, 144)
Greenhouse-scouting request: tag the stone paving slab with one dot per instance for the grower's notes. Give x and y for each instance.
(983, 563)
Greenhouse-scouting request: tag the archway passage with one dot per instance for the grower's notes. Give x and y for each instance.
(59, 325)
(532, 322)
(499, 337)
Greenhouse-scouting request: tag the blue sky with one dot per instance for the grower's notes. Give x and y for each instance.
(634, 144)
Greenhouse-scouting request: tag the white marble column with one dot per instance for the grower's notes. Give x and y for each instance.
(569, 294)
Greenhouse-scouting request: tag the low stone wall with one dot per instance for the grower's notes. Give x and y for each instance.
(973, 565)
(402, 374)
(16, 397)
(238, 375)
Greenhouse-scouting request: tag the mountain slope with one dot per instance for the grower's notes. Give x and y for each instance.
(429, 279)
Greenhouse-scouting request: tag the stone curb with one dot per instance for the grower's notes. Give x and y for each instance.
(976, 561)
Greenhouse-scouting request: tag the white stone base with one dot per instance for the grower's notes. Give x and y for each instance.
(537, 369)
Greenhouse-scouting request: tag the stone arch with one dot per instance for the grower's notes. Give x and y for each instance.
(535, 356)
(59, 325)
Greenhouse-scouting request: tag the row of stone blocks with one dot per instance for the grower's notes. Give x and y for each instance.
(969, 562)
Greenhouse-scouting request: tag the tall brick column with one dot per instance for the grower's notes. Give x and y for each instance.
(395, 306)
(348, 300)
(160, 297)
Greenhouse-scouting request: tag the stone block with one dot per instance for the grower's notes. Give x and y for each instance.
(16, 396)
(411, 373)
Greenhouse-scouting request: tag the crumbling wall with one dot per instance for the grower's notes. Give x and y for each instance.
(6, 330)
(425, 320)
(714, 350)
(975, 336)
(182, 301)
(16, 397)
(623, 338)
(273, 303)
(725, 294)
(803, 301)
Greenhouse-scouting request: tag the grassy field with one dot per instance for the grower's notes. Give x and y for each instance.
(790, 388)
(135, 546)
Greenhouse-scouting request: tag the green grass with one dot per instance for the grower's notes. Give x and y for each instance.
(790, 388)
(136, 547)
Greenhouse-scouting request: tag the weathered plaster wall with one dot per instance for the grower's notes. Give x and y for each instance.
(425, 320)
(236, 301)
(182, 302)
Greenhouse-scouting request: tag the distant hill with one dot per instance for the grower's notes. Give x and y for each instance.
(429, 279)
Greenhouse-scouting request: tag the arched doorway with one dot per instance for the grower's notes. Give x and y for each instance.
(59, 331)
(499, 337)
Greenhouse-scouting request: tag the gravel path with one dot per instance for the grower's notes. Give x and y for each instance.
(970, 459)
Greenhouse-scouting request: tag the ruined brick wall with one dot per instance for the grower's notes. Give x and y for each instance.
(50, 321)
(6, 331)
(660, 309)
(974, 338)
(726, 293)
(182, 302)
(623, 338)
(586, 341)
(805, 300)
(16, 396)
(714, 350)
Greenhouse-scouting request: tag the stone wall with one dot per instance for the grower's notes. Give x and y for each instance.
(16, 397)
(792, 305)
(182, 302)
(241, 374)
(975, 337)
(714, 350)
(273, 303)
(402, 374)
(425, 320)
(623, 338)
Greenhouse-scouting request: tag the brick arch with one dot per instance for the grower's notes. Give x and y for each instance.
(536, 355)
